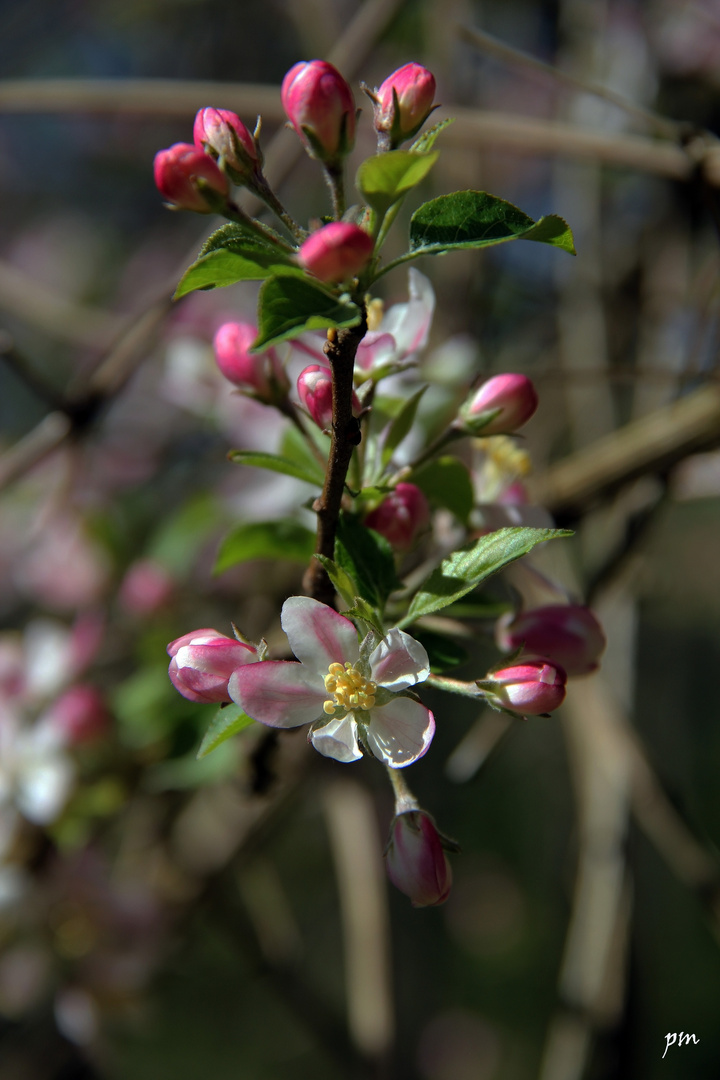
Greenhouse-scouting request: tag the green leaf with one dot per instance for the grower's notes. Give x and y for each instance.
(426, 141)
(274, 463)
(401, 425)
(444, 652)
(227, 721)
(474, 219)
(366, 613)
(344, 584)
(464, 569)
(265, 540)
(385, 178)
(294, 447)
(226, 265)
(236, 236)
(446, 482)
(289, 304)
(368, 558)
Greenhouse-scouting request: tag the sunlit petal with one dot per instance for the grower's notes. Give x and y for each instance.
(400, 732)
(275, 692)
(318, 635)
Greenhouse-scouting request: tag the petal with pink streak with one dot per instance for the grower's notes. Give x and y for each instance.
(375, 348)
(275, 692)
(410, 323)
(338, 740)
(318, 635)
(399, 661)
(400, 732)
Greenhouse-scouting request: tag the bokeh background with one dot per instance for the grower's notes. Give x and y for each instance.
(228, 917)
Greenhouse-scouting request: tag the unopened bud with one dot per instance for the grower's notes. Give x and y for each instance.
(337, 251)
(223, 135)
(187, 177)
(260, 374)
(202, 663)
(530, 688)
(320, 106)
(404, 102)
(513, 395)
(79, 715)
(314, 387)
(415, 860)
(567, 634)
(401, 516)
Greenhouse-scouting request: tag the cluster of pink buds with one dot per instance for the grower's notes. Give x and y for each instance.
(260, 375)
(223, 135)
(320, 106)
(314, 386)
(530, 688)
(415, 859)
(567, 634)
(189, 178)
(202, 663)
(501, 405)
(403, 103)
(336, 252)
(401, 516)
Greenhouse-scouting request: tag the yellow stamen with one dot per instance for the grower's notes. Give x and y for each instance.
(349, 688)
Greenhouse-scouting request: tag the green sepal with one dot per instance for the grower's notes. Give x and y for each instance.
(426, 141)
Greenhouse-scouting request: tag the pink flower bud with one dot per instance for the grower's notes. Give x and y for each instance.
(401, 516)
(568, 634)
(314, 386)
(320, 106)
(260, 374)
(415, 860)
(514, 395)
(79, 715)
(404, 102)
(223, 134)
(530, 688)
(337, 251)
(202, 663)
(178, 171)
(146, 587)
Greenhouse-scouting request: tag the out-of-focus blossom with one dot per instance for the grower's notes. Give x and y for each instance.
(403, 102)
(189, 178)
(415, 860)
(146, 587)
(320, 106)
(401, 516)
(350, 698)
(63, 567)
(79, 715)
(36, 773)
(202, 663)
(336, 252)
(222, 133)
(529, 688)
(260, 374)
(513, 395)
(314, 388)
(567, 634)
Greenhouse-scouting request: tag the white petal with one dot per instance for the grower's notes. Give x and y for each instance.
(318, 635)
(399, 661)
(400, 732)
(410, 323)
(275, 692)
(338, 740)
(44, 788)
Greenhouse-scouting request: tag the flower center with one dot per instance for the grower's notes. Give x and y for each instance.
(350, 689)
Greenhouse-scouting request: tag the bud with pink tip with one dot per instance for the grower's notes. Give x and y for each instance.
(314, 386)
(189, 179)
(223, 135)
(415, 860)
(401, 516)
(530, 688)
(79, 715)
(261, 374)
(404, 102)
(320, 106)
(568, 634)
(337, 251)
(202, 663)
(513, 395)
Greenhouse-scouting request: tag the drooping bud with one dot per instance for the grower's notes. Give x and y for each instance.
(79, 715)
(401, 516)
(314, 387)
(336, 252)
(568, 634)
(187, 177)
(320, 106)
(260, 374)
(404, 102)
(514, 395)
(222, 134)
(530, 688)
(415, 860)
(202, 663)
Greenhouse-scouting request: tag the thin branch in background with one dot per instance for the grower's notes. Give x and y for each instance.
(23, 369)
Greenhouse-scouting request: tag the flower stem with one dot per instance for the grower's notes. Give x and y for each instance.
(404, 798)
(234, 213)
(454, 686)
(334, 177)
(263, 191)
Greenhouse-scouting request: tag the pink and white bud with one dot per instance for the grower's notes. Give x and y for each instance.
(314, 387)
(320, 106)
(260, 374)
(401, 517)
(202, 663)
(530, 688)
(515, 397)
(146, 587)
(404, 102)
(222, 134)
(415, 860)
(182, 171)
(79, 715)
(567, 634)
(337, 251)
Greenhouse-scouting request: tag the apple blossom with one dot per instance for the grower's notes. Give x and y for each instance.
(403, 102)
(320, 106)
(401, 516)
(183, 174)
(202, 663)
(415, 860)
(567, 634)
(223, 135)
(352, 695)
(314, 386)
(337, 251)
(514, 395)
(259, 374)
(530, 688)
